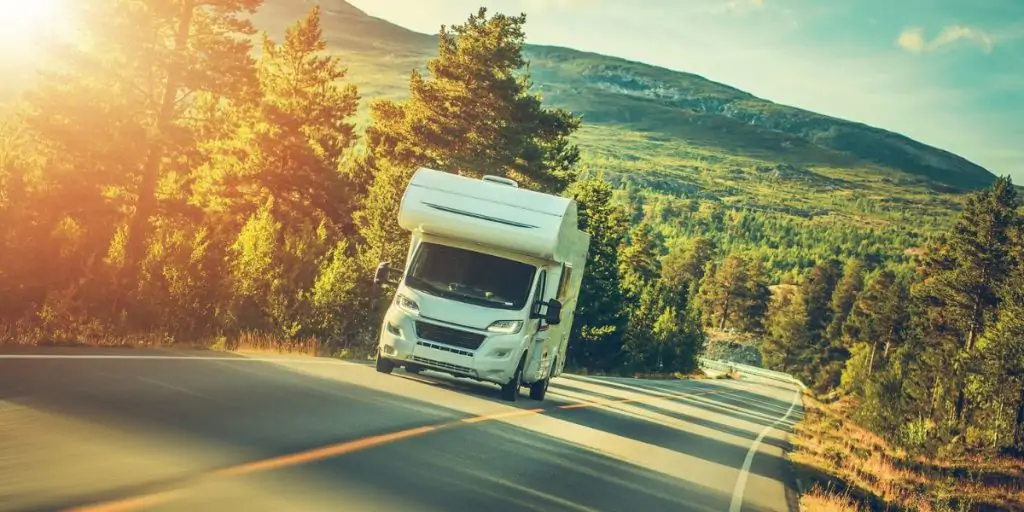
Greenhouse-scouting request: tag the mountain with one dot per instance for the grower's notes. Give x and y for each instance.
(700, 117)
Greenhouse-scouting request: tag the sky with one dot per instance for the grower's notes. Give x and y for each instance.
(949, 73)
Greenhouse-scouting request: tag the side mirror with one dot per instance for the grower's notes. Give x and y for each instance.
(383, 274)
(553, 315)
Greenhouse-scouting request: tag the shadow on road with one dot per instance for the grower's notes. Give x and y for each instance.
(251, 410)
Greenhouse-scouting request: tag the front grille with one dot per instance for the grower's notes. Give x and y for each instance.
(449, 336)
(445, 348)
(443, 365)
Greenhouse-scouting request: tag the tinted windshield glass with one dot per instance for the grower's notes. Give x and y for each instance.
(469, 276)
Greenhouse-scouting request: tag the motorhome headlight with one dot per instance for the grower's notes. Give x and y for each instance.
(506, 326)
(407, 304)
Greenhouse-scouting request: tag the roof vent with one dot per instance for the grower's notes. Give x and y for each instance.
(501, 180)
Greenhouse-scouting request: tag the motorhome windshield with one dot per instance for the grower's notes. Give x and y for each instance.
(469, 276)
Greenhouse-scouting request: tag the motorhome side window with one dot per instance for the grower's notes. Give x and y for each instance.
(469, 276)
(563, 283)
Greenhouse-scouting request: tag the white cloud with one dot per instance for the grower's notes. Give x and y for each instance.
(913, 39)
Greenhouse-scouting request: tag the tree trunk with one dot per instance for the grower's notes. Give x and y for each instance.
(888, 342)
(146, 202)
(960, 404)
(972, 333)
(871, 359)
(934, 397)
(1018, 434)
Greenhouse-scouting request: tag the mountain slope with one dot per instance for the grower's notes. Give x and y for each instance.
(613, 92)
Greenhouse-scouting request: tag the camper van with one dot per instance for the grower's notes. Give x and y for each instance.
(490, 283)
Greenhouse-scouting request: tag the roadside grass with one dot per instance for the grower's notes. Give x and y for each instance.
(820, 500)
(93, 335)
(845, 465)
(696, 375)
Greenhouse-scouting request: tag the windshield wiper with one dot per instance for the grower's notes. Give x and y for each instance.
(425, 285)
(481, 300)
(428, 287)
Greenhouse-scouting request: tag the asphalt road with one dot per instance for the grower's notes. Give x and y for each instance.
(189, 431)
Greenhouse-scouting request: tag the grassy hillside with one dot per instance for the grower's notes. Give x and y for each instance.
(670, 129)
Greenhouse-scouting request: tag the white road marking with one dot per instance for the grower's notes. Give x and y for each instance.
(741, 481)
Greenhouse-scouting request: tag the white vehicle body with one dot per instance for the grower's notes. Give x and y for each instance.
(485, 260)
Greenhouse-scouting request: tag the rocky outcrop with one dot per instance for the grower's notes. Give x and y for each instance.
(875, 145)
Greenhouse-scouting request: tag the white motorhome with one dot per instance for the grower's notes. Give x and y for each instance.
(490, 283)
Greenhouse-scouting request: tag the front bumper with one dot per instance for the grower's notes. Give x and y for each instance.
(494, 361)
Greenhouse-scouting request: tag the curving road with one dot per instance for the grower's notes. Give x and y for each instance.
(104, 430)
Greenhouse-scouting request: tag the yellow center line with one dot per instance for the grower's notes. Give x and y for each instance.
(344, 448)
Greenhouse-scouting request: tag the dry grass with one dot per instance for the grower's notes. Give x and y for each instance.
(96, 336)
(89, 334)
(699, 375)
(261, 343)
(819, 500)
(836, 454)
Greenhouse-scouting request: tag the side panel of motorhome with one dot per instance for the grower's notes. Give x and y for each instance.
(569, 296)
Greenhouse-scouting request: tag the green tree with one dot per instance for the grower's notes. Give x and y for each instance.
(294, 139)
(683, 265)
(473, 114)
(123, 93)
(596, 338)
(879, 317)
(639, 265)
(844, 296)
(963, 274)
(734, 294)
(788, 338)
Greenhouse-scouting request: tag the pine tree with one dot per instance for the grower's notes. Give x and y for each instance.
(788, 338)
(288, 146)
(759, 297)
(734, 294)
(844, 296)
(818, 288)
(473, 114)
(639, 265)
(962, 277)
(600, 321)
(877, 325)
(478, 91)
(114, 107)
(683, 264)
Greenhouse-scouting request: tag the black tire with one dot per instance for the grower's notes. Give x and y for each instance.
(540, 388)
(384, 365)
(510, 391)
(413, 369)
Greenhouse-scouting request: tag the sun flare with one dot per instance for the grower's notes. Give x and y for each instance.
(26, 23)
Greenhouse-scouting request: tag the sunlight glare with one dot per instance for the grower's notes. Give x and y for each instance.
(25, 23)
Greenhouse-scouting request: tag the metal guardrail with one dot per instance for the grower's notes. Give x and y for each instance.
(726, 366)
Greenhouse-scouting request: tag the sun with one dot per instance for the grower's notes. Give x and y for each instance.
(26, 23)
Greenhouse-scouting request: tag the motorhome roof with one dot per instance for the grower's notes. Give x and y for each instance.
(488, 213)
(490, 191)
